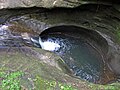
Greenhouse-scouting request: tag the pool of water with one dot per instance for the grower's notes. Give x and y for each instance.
(78, 54)
(78, 49)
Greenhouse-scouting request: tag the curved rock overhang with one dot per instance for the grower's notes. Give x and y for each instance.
(89, 34)
(99, 40)
(111, 49)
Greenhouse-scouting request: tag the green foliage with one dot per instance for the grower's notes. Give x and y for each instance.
(10, 81)
(118, 33)
(66, 87)
(51, 85)
(113, 86)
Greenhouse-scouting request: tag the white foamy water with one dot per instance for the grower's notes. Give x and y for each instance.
(49, 45)
(3, 32)
(2, 29)
(76, 53)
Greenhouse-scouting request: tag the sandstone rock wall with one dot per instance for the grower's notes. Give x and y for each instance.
(47, 3)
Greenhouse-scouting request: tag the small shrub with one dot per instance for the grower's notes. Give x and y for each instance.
(43, 84)
(10, 81)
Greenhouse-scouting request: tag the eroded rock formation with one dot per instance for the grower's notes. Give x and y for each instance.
(99, 16)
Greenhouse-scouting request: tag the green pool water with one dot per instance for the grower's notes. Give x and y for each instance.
(78, 54)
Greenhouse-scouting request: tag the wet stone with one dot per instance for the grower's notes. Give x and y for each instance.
(78, 51)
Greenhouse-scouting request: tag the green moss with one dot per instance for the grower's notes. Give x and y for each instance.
(10, 80)
(43, 84)
(118, 34)
(113, 86)
(39, 75)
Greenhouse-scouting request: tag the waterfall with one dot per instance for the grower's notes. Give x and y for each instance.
(49, 45)
(41, 43)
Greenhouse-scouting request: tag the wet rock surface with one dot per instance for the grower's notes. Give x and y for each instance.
(68, 37)
(42, 64)
(103, 20)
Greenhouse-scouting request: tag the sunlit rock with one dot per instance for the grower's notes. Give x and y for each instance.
(47, 3)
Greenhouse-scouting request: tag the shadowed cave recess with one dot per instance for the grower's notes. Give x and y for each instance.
(84, 51)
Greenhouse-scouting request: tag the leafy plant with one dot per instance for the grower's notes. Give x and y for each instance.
(43, 84)
(10, 81)
(66, 87)
(118, 33)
